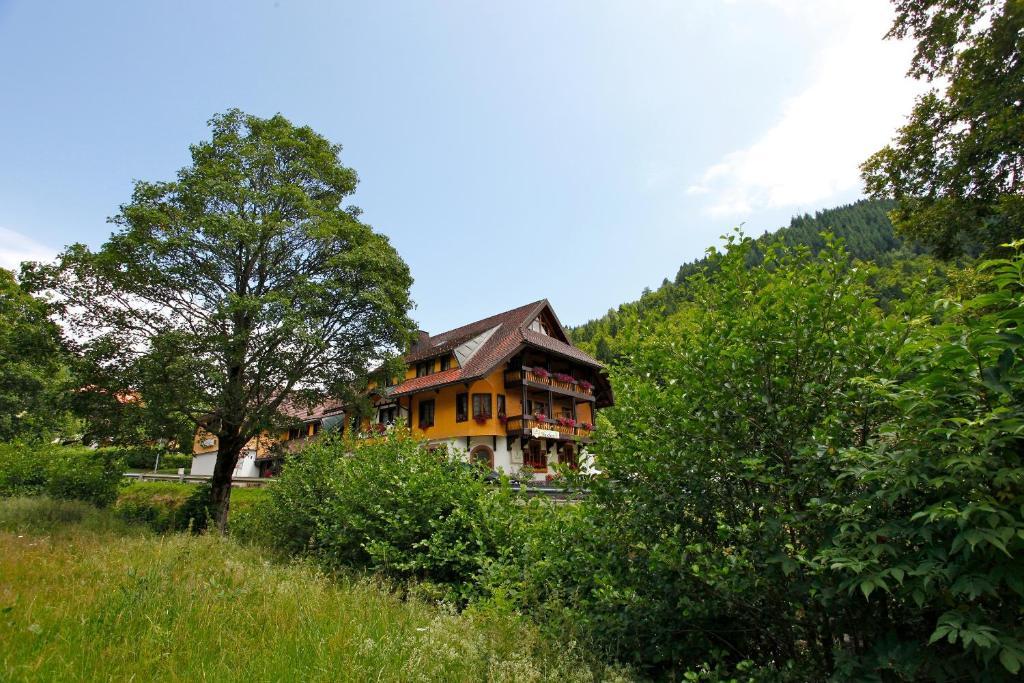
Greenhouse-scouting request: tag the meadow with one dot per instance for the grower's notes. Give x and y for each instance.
(85, 595)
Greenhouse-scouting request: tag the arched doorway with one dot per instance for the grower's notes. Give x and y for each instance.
(482, 455)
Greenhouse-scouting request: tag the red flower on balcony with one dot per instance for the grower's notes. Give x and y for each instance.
(564, 378)
(481, 419)
(541, 372)
(540, 417)
(566, 422)
(503, 418)
(586, 426)
(585, 385)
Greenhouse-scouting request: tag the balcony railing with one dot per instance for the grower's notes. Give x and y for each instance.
(557, 381)
(525, 424)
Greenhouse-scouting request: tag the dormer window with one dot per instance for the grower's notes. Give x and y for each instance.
(446, 362)
(425, 368)
(539, 325)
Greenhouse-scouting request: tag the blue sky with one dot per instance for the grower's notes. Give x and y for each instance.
(578, 151)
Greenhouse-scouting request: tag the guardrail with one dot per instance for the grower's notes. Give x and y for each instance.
(195, 478)
(557, 494)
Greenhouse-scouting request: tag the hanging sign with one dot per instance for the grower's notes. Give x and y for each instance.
(544, 433)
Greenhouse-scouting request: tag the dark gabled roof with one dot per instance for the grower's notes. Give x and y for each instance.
(446, 342)
(508, 333)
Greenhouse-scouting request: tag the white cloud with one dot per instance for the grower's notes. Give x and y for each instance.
(856, 97)
(15, 248)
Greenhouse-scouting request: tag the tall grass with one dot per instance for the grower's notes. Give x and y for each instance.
(85, 597)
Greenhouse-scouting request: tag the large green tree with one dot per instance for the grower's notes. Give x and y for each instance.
(957, 166)
(33, 365)
(239, 286)
(696, 544)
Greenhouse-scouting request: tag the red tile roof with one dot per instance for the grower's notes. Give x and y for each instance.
(512, 334)
(310, 413)
(411, 386)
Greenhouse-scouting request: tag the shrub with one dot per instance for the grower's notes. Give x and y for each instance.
(22, 470)
(144, 457)
(694, 544)
(84, 474)
(63, 473)
(392, 506)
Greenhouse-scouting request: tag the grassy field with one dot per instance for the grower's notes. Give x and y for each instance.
(86, 597)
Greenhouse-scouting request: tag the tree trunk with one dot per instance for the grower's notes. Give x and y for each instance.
(229, 447)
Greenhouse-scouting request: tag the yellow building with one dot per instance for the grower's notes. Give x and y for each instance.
(511, 390)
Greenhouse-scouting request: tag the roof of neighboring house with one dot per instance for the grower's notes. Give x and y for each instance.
(483, 345)
(310, 413)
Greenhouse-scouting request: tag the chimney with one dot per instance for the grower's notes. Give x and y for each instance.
(422, 336)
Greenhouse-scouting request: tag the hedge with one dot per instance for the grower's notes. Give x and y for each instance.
(64, 473)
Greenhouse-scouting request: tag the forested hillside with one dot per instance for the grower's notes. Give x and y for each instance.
(863, 226)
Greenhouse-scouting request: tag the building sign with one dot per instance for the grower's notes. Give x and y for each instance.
(544, 433)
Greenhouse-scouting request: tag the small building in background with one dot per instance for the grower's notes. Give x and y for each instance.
(263, 455)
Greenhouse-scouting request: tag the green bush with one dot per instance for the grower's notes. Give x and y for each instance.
(63, 473)
(84, 474)
(22, 470)
(394, 507)
(144, 457)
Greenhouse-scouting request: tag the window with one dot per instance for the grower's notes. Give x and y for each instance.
(426, 414)
(481, 406)
(387, 415)
(534, 407)
(294, 433)
(538, 325)
(446, 362)
(567, 456)
(482, 455)
(535, 457)
(501, 406)
(425, 368)
(461, 407)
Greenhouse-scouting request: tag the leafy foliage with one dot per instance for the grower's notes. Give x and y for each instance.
(800, 485)
(394, 507)
(33, 366)
(955, 168)
(240, 285)
(63, 473)
(936, 536)
(728, 418)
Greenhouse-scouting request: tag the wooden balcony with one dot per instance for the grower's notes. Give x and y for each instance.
(539, 378)
(546, 427)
